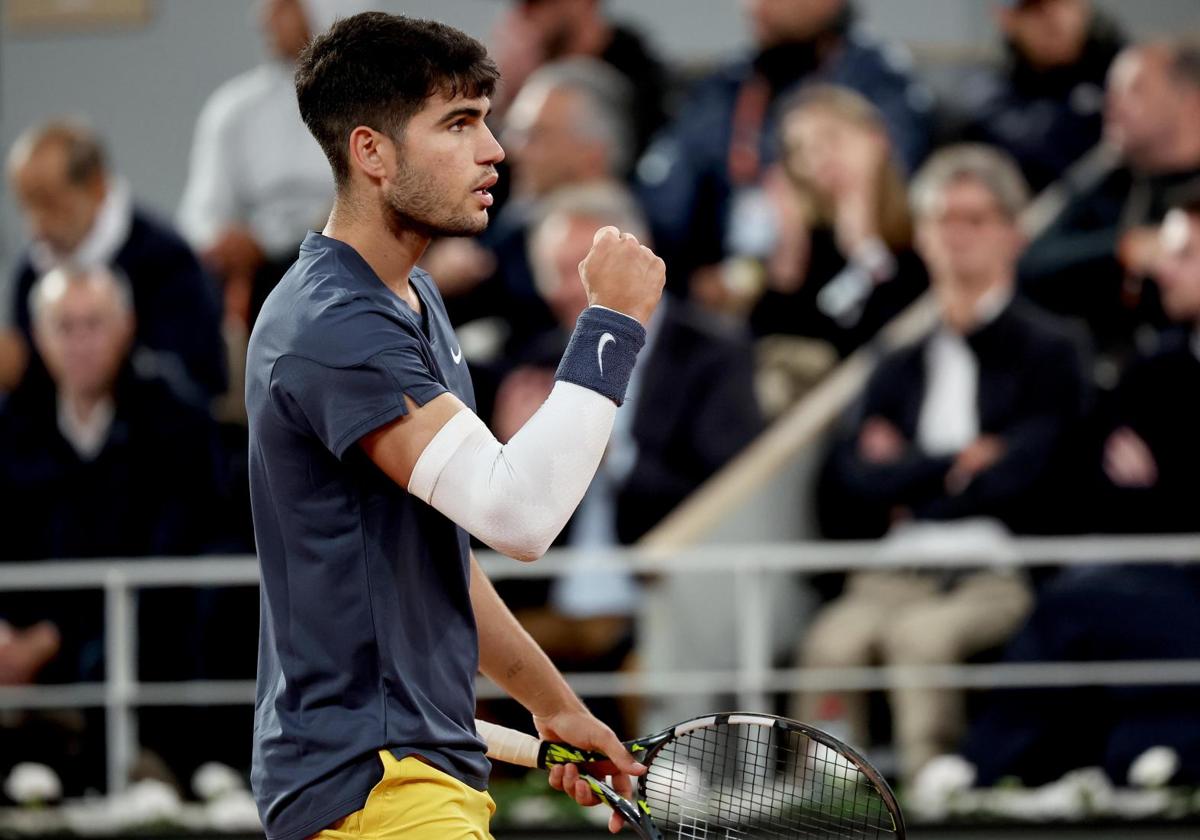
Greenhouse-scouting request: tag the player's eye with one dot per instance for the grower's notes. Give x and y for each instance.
(459, 124)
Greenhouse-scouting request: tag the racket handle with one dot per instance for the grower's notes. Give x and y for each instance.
(509, 745)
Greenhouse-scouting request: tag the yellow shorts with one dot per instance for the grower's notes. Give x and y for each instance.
(418, 802)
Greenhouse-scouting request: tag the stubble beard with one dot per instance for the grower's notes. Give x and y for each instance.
(415, 202)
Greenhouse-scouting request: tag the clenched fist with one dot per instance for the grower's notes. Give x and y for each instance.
(621, 273)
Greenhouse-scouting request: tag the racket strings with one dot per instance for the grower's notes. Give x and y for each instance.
(748, 781)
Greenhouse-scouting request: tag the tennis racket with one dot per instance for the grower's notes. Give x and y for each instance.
(731, 776)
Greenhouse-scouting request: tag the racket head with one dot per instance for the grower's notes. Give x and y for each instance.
(749, 775)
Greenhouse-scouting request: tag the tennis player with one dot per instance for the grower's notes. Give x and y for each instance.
(369, 467)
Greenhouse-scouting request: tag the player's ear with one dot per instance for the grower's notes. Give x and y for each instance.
(371, 153)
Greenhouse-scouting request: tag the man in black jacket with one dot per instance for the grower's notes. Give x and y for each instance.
(965, 423)
(1093, 260)
(80, 214)
(102, 463)
(1045, 106)
(1150, 457)
(1146, 468)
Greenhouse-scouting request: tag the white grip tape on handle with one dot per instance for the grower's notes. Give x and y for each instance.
(509, 745)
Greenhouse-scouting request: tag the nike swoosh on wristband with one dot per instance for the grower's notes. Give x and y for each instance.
(456, 354)
(604, 339)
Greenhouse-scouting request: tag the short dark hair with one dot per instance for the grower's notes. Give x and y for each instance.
(377, 70)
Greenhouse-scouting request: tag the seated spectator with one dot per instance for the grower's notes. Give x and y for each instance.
(1150, 453)
(965, 423)
(843, 264)
(689, 409)
(109, 463)
(1097, 614)
(81, 214)
(1045, 106)
(1092, 260)
(106, 463)
(538, 32)
(258, 181)
(1147, 466)
(702, 177)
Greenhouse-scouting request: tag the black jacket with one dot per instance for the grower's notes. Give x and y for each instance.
(696, 408)
(797, 313)
(155, 488)
(1072, 268)
(177, 306)
(1157, 399)
(1046, 119)
(150, 491)
(1031, 393)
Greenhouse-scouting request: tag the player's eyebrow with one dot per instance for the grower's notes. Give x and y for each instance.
(465, 111)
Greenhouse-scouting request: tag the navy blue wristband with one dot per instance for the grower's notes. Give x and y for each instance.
(602, 352)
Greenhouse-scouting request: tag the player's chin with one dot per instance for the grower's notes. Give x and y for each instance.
(468, 224)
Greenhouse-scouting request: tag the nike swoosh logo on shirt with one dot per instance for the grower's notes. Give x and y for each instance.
(604, 339)
(456, 354)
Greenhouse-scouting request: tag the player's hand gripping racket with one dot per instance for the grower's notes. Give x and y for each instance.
(732, 776)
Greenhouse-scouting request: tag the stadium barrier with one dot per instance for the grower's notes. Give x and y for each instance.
(755, 570)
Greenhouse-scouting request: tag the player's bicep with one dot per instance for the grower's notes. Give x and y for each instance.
(396, 447)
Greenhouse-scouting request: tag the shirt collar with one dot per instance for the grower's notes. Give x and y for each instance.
(362, 277)
(87, 437)
(360, 269)
(103, 241)
(989, 307)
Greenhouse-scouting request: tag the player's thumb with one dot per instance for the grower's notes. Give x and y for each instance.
(607, 230)
(621, 757)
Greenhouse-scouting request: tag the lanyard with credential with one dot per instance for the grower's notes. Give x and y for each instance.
(745, 145)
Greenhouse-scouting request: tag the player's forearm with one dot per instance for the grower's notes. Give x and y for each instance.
(518, 496)
(510, 657)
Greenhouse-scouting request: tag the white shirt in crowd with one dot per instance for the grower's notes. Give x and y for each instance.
(103, 241)
(949, 419)
(255, 164)
(86, 437)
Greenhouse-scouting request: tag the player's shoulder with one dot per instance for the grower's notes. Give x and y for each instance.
(318, 316)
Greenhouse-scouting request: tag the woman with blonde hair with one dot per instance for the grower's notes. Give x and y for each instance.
(843, 263)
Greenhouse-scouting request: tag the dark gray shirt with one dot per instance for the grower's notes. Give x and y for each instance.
(367, 636)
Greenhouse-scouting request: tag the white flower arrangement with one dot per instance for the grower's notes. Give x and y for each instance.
(33, 784)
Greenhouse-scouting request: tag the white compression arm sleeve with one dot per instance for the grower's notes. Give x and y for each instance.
(516, 497)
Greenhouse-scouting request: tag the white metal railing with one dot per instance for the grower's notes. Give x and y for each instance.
(753, 566)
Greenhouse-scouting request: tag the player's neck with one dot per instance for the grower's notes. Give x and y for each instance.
(391, 254)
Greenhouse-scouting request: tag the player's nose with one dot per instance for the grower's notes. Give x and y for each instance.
(490, 151)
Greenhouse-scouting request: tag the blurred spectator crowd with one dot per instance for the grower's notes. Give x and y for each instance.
(803, 196)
